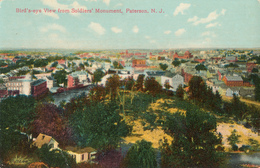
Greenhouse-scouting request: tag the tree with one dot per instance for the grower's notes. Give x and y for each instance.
(163, 66)
(152, 86)
(140, 83)
(117, 65)
(130, 82)
(98, 75)
(50, 122)
(56, 157)
(255, 70)
(97, 93)
(140, 155)
(176, 63)
(257, 88)
(40, 62)
(17, 112)
(99, 125)
(180, 92)
(239, 109)
(197, 89)
(233, 138)
(200, 67)
(60, 77)
(112, 86)
(194, 140)
(167, 85)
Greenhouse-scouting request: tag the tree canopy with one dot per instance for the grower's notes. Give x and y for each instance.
(99, 125)
(17, 112)
(194, 141)
(163, 66)
(140, 155)
(98, 74)
(200, 67)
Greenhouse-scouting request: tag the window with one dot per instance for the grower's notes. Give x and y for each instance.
(82, 157)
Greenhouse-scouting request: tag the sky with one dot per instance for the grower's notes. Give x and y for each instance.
(182, 24)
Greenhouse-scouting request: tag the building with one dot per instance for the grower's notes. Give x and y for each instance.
(139, 63)
(43, 139)
(81, 154)
(23, 86)
(173, 79)
(38, 87)
(233, 80)
(187, 55)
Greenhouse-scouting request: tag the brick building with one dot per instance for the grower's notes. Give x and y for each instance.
(233, 80)
(38, 87)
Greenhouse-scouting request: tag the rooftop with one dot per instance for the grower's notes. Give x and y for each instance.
(80, 150)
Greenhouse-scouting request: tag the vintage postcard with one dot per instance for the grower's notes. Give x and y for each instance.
(129, 84)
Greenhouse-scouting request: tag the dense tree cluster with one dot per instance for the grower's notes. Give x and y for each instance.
(194, 143)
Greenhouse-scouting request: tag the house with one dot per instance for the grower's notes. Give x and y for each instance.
(229, 92)
(43, 139)
(173, 79)
(38, 87)
(81, 154)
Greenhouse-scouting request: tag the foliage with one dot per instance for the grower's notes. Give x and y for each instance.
(97, 93)
(98, 74)
(231, 65)
(255, 70)
(109, 159)
(194, 141)
(200, 67)
(40, 62)
(60, 77)
(12, 141)
(117, 65)
(50, 122)
(130, 82)
(152, 86)
(56, 157)
(176, 63)
(234, 138)
(163, 66)
(54, 64)
(17, 112)
(167, 85)
(197, 89)
(140, 83)
(140, 155)
(255, 146)
(112, 86)
(99, 125)
(180, 92)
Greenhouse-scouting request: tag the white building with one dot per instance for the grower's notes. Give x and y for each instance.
(173, 79)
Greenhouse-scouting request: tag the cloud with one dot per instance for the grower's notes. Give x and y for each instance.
(106, 2)
(91, 0)
(180, 32)
(96, 27)
(224, 11)
(116, 30)
(208, 33)
(212, 16)
(118, 5)
(147, 37)
(135, 29)
(153, 41)
(213, 25)
(77, 5)
(181, 8)
(54, 15)
(53, 26)
(195, 18)
(259, 1)
(54, 4)
(53, 35)
(167, 32)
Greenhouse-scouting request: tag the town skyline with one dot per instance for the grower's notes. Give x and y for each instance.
(183, 25)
